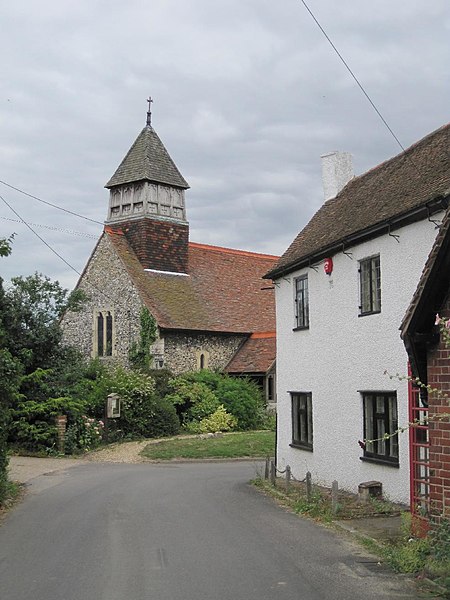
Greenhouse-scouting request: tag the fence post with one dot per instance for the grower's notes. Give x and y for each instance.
(273, 473)
(266, 470)
(308, 486)
(61, 423)
(334, 497)
(288, 478)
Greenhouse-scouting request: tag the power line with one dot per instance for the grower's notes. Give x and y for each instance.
(70, 231)
(52, 249)
(352, 74)
(39, 237)
(71, 212)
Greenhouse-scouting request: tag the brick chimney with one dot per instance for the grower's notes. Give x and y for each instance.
(337, 171)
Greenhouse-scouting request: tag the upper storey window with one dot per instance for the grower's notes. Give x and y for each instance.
(301, 302)
(370, 285)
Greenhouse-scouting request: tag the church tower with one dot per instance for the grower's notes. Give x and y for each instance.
(147, 204)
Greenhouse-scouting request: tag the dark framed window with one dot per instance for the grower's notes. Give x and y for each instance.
(380, 426)
(104, 333)
(302, 421)
(370, 285)
(301, 302)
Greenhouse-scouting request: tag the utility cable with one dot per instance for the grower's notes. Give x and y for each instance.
(39, 237)
(353, 75)
(52, 249)
(71, 212)
(69, 231)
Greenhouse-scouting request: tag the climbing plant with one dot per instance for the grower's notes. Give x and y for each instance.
(140, 354)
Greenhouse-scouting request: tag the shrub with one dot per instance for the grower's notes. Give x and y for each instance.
(143, 413)
(240, 396)
(33, 423)
(220, 420)
(9, 378)
(193, 400)
(84, 434)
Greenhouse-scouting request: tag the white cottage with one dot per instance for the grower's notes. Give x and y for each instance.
(342, 289)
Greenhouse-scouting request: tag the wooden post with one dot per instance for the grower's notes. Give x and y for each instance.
(106, 424)
(273, 473)
(288, 478)
(334, 497)
(308, 486)
(61, 422)
(266, 470)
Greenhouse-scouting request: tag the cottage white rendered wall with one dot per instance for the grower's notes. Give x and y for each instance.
(342, 353)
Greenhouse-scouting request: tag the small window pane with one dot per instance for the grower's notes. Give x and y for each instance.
(370, 285)
(100, 346)
(302, 423)
(302, 301)
(380, 419)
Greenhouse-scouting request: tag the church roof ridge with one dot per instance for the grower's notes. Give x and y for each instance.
(232, 251)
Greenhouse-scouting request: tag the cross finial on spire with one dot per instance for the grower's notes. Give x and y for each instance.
(149, 112)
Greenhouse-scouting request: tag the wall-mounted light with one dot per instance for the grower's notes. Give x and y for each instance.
(328, 266)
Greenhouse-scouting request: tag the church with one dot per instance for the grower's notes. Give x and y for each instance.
(210, 304)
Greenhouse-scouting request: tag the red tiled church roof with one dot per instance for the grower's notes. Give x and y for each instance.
(256, 355)
(223, 291)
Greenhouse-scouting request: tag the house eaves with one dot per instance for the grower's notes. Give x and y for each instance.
(384, 227)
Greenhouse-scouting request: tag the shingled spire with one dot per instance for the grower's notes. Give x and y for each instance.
(146, 202)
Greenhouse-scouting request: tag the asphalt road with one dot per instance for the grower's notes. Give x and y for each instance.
(193, 531)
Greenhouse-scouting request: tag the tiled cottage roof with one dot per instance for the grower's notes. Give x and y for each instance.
(380, 198)
(223, 291)
(256, 355)
(148, 159)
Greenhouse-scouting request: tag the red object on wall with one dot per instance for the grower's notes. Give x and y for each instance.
(328, 266)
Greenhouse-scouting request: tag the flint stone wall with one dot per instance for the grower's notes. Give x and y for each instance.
(181, 350)
(108, 287)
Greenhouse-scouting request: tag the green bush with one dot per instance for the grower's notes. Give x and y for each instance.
(143, 413)
(240, 396)
(33, 423)
(9, 378)
(220, 420)
(193, 400)
(84, 434)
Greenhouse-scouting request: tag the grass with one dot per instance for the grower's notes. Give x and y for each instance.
(319, 505)
(244, 444)
(13, 493)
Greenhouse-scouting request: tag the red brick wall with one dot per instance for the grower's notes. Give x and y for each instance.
(160, 245)
(439, 422)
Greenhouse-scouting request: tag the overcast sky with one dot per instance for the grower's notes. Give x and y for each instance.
(247, 95)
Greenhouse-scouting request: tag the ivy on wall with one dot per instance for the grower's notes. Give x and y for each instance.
(140, 355)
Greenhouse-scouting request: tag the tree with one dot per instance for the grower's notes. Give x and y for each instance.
(47, 370)
(32, 307)
(9, 382)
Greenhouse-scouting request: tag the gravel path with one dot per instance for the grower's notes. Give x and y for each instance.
(126, 452)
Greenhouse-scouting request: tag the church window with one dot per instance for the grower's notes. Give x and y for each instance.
(202, 359)
(104, 333)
